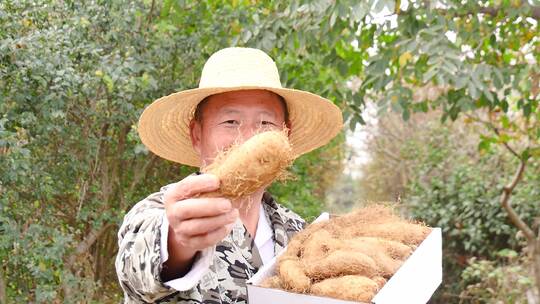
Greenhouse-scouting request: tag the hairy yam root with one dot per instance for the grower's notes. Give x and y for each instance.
(256, 163)
(407, 233)
(319, 244)
(354, 288)
(272, 282)
(388, 255)
(293, 277)
(339, 263)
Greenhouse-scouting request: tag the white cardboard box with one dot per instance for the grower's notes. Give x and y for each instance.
(414, 282)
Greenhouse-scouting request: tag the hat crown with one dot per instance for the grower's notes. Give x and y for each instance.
(238, 67)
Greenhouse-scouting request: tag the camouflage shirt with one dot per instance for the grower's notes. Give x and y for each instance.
(236, 258)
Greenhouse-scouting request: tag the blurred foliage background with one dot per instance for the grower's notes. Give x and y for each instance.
(453, 138)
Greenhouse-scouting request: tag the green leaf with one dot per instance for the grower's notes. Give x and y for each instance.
(505, 121)
(404, 58)
(108, 82)
(498, 80)
(473, 91)
(406, 114)
(504, 138)
(343, 68)
(525, 154)
(507, 57)
(485, 143)
(379, 5)
(449, 67)
(166, 8)
(460, 81)
(527, 108)
(333, 18)
(535, 152)
(359, 11)
(488, 94)
(430, 73)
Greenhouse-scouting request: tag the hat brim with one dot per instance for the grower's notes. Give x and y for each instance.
(164, 124)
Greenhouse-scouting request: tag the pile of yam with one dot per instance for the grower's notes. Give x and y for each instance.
(348, 257)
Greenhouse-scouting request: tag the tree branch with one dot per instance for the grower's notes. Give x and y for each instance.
(82, 197)
(117, 173)
(85, 244)
(496, 130)
(83, 247)
(491, 126)
(149, 18)
(389, 154)
(151, 13)
(534, 11)
(3, 298)
(505, 202)
(99, 151)
(141, 174)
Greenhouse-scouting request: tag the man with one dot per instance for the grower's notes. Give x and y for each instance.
(176, 247)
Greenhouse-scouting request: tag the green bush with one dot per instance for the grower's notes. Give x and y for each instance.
(74, 78)
(444, 180)
(503, 281)
(464, 199)
(458, 189)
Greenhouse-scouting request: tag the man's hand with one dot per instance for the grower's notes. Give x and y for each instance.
(194, 223)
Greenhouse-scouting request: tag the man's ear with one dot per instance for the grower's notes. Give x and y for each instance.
(195, 132)
(288, 126)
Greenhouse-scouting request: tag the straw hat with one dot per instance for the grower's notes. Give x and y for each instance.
(164, 124)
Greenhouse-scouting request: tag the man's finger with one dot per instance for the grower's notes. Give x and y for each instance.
(191, 186)
(198, 226)
(199, 207)
(209, 239)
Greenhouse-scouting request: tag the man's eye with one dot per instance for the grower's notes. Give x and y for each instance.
(231, 122)
(267, 123)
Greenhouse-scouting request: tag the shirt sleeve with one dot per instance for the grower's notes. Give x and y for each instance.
(202, 262)
(138, 262)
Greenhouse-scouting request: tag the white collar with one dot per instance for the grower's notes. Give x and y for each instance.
(264, 231)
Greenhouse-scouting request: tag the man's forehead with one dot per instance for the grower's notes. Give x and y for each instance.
(246, 95)
(241, 100)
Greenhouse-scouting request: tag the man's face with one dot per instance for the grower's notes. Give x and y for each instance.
(234, 117)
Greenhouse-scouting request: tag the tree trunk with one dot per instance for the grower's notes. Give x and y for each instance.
(536, 269)
(533, 241)
(3, 299)
(83, 247)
